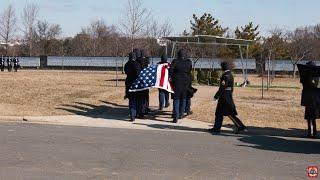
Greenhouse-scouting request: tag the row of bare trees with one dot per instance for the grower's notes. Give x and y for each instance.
(137, 29)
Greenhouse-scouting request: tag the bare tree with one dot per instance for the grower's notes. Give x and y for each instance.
(8, 21)
(152, 33)
(299, 46)
(29, 18)
(134, 19)
(166, 28)
(45, 33)
(274, 45)
(98, 31)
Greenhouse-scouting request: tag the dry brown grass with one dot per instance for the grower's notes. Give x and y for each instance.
(36, 92)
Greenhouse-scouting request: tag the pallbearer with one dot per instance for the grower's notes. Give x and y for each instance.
(141, 94)
(146, 63)
(132, 70)
(163, 94)
(226, 106)
(180, 71)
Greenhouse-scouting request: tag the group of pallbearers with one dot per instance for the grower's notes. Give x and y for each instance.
(138, 101)
(12, 63)
(180, 75)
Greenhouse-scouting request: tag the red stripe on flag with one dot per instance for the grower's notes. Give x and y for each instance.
(163, 72)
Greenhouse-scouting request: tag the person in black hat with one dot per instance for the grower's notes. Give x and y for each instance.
(180, 71)
(2, 63)
(163, 94)
(15, 64)
(9, 64)
(310, 98)
(132, 70)
(226, 106)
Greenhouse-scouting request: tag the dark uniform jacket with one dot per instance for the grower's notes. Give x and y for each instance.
(132, 70)
(310, 96)
(180, 71)
(225, 106)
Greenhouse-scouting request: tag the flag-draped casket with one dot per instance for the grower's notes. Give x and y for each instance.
(155, 76)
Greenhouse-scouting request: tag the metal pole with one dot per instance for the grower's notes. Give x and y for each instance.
(173, 50)
(268, 83)
(117, 71)
(166, 49)
(262, 76)
(247, 63)
(243, 72)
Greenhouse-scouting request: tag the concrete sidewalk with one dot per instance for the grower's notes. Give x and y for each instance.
(162, 123)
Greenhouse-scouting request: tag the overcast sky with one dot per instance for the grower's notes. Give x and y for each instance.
(72, 15)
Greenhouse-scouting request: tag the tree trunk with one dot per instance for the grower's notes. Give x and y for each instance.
(294, 70)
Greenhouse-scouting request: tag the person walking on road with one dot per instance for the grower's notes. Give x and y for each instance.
(226, 106)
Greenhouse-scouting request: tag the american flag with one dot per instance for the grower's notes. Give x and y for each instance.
(155, 76)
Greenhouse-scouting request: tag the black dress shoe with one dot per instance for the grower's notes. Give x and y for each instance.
(175, 120)
(215, 131)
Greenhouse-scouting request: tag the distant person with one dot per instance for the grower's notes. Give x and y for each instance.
(180, 70)
(15, 64)
(2, 63)
(310, 98)
(163, 94)
(226, 106)
(9, 64)
(132, 70)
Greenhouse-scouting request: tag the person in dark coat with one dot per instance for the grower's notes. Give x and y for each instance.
(2, 65)
(15, 64)
(226, 106)
(180, 71)
(163, 94)
(9, 64)
(132, 70)
(141, 94)
(145, 61)
(310, 98)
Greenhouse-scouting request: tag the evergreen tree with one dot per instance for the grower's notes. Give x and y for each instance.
(206, 25)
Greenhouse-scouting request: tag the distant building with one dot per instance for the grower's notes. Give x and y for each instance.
(16, 42)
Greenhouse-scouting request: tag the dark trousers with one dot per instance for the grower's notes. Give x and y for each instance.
(219, 120)
(140, 100)
(314, 125)
(163, 98)
(133, 108)
(188, 106)
(179, 106)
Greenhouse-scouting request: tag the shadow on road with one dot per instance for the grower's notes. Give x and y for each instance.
(281, 144)
(173, 127)
(262, 138)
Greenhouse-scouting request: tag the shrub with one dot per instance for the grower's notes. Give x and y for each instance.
(194, 76)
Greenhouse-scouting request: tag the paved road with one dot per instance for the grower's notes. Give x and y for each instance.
(30, 151)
